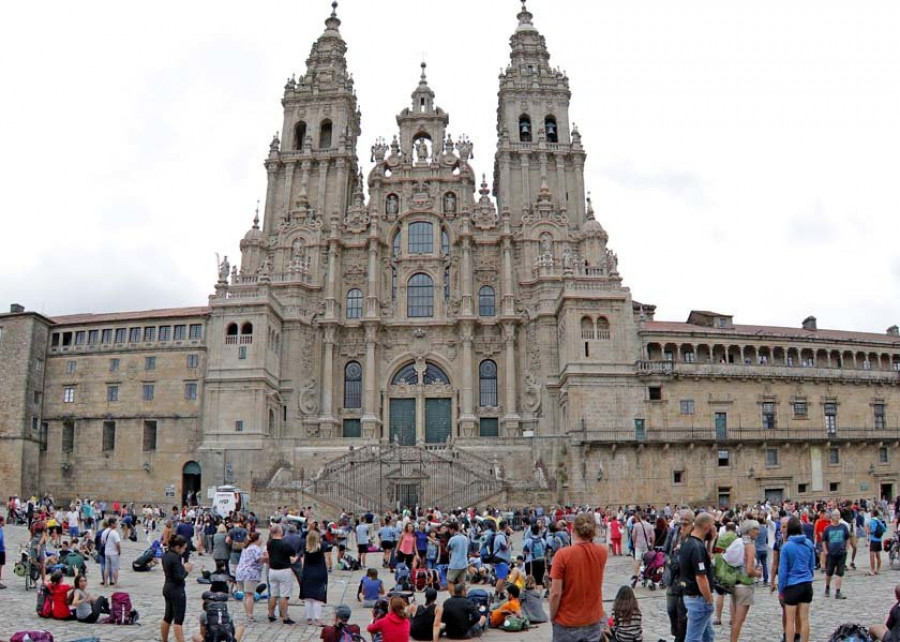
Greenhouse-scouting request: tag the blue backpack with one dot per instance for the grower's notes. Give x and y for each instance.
(537, 548)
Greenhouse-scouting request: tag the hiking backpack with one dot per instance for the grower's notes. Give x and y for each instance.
(850, 633)
(421, 579)
(121, 610)
(480, 597)
(44, 605)
(219, 627)
(879, 528)
(34, 636)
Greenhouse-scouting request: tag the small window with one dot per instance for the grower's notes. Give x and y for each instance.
(771, 456)
(834, 456)
(421, 238)
(239, 425)
(149, 436)
(352, 428)
(70, 367)
(149, 363)
(147, 392)
(487, 384)
(68, 437)
(802, 489)
(69, 395)
(801, 410)
(831, 417)
(655, 393)
(121, 334)
(80, 337)
(299, 135)
(196, 331)
(113, 365)
(150, 333)
(883, 455)
(34, 423)
(325, 135)
(834, 487)
(179, 332)
(67, 339)
(724, 458)
(112, 393)
(193, 361)
(486, 301)
(678, 477)
(689, 357)
(37, 398)
(242, 352)
(354, 303)
(190, 390)
(109, 436)
(489, 427)
(768, 415)
(640, 430)
(106, 336)
(54, 340)
(93, 337)
(134, 335)
(687, 406)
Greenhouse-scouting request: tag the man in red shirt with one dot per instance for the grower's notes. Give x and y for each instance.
(821, 524)
(576, 593)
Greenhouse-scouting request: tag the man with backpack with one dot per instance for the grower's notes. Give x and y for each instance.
(535, 548)
(876, 530)
(216, 624)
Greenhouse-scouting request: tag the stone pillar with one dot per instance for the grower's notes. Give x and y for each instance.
(373, 293)
(465, 274)
(370, 418)
(271, 192)
(333, 277)
(327, 420)
(467, 419)
(420, 401)
(511, 418)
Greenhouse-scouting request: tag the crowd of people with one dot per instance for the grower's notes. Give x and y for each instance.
(700, 556)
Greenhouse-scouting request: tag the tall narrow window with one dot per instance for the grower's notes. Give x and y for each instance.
(487, 383)
(768, 414)
(879, 416)
(446, 284)
(353, 385)
(120, 335)
(551, 130)
(394, 284)
(486, 303)
(525, 128)
(93, 337)
(325, 135)
(106, 336)
(420, 296)
(109, 436)
(112, 393)
(299, 135)
(445, 242)
(395, 245)
(147, 392)
(354, 303)
(149, 435)
(831, 417)
(68, 436)
(421, 238)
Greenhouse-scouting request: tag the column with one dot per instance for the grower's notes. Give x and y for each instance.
(327, 419)
(467, 420)
(271, 191)
(465, 275)
(369, 418)
(511, 418)
(420, 401)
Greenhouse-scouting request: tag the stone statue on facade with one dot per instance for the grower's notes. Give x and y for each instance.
(449, 202)
(421, 150)
(224, 269)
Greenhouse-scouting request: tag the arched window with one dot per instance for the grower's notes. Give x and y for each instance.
(406, 374)
(433, 374)
(525, 128)
(232, 329)
(587, 328)
(247, 328)
(486, 303)
(487, 383)
(354, 303)
(299, 135)
(396, 245)
(420, 296)
(421, 238)
(602, 328)
(353, 385)
(394, 284)
(325, 135)
(551, 129)
(446, 284)
(445, 242)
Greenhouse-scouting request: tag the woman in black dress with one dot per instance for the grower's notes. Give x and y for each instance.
(175, 571)
(314, 579)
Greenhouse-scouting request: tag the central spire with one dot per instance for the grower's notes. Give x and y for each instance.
(333, 22)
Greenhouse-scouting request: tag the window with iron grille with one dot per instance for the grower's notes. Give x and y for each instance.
(486, 301)
(353, 385)
(489, 427)
(768, 414)
(421, 238)
(354, 303)
(487, 383)
(801, 410)
(352, 428)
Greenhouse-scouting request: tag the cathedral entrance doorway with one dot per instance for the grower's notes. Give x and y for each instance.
(190, 483)
(403, 422)
(421, 405)
(438, 421)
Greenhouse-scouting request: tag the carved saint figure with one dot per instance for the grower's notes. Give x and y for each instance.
(224, 269)
(449, 202)
(422, 150)
(392, 206)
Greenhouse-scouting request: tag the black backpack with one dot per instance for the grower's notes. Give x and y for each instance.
(219, 627)
(850, 633)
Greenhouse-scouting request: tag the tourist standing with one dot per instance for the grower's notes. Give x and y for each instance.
(362, 541)
(576, 592)
(2, 552)
(112, 550)
(876, 529)
(406, 549)
(742, 595)
(696, 578)
(459, 560)
(796, 569)
(281, 578)
(674, 588)
(314, 585)
(175, 571)
(249, 572)
(835, 538)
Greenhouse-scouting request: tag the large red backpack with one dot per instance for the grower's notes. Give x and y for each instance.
(121, 610)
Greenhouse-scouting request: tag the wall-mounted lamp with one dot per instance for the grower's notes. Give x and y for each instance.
(147, 466)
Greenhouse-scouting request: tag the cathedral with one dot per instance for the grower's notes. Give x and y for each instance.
(424, 335)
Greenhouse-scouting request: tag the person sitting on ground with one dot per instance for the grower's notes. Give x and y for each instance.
(370, 589)
(75, 564)
(511, 606)
(219, 579)
(394, 627)
(516, 574)
(889, 632)
(461, 617)
(88, 607)
(335, 632)
(208, 632)
(626, 618)
(532, 604)
(59, 597)
(422, 617)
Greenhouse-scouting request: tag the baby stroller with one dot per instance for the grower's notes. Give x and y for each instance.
(652, 566)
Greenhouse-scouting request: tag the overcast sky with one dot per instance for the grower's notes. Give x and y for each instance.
(743, 158)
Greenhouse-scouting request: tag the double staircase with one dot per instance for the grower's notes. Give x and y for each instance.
(376, 477)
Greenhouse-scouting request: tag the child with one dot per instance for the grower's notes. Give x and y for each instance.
(626, 618)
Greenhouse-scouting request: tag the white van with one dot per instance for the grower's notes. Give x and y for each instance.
(230, 498)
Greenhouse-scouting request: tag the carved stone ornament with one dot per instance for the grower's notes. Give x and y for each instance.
(485, 216)
(421, 197)
(309, 398)
(357, 220)
(531, 396)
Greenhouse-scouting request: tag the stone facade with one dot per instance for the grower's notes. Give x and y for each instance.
(424, 306)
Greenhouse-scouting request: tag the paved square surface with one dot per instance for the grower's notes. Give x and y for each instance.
(869, 600)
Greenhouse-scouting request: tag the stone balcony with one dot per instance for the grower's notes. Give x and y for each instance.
(711, 435)
(770, 371)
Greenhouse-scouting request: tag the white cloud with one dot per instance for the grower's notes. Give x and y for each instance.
(742, 157)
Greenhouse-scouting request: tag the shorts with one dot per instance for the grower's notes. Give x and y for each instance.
(834, 564)
(535, 568)
(362, 549)
(112, 563)
(743, 595)
(176, 604)
(639, 553)
(73, 531)
(2, 558)
(455, 575)
(387, 545)
(874, 547)
(798, 594)
(249, 586)
(577, 633)
(281, 582)
(502, 570)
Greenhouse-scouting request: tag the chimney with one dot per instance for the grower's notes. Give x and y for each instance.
(894, 331)
(15, 308)
(809, 323)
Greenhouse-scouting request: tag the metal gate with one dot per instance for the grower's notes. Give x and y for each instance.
(437, 421)
(403, 422)
(774, 495)
(407, 495)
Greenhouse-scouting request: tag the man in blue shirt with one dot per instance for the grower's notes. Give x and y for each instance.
(459, 557)
(388, 536)
(502, 557)
(876, 528)
(834, 542)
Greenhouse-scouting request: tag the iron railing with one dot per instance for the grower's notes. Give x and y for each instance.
(650, 434)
